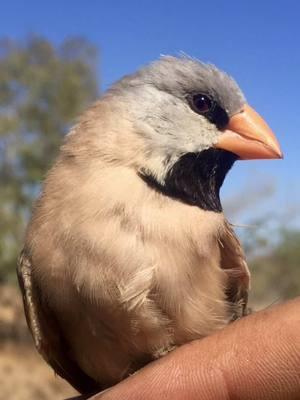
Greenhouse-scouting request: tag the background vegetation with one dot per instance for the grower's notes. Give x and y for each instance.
(42, 90)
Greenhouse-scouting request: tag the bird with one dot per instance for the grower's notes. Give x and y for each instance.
(128, 254)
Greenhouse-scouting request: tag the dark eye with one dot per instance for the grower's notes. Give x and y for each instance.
(201, 103)
(204, 105)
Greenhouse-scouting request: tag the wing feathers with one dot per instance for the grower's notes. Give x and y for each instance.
(233, 261)
(46, 333)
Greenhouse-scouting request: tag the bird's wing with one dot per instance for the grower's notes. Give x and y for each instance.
(46, 333)
(233, 261)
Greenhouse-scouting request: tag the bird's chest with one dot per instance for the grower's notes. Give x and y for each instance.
(188, 284)
(159, 260)
(144, 285)
(174, 277)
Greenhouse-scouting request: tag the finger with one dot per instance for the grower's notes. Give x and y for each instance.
(257, 357)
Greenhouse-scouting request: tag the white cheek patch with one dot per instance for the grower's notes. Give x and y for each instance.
(169, 129)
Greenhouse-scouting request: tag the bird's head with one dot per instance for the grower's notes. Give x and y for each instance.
(195, 123)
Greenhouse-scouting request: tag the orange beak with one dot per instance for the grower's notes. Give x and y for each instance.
(248, 136)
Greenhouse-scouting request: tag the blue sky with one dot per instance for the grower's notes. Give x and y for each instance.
(257, 42)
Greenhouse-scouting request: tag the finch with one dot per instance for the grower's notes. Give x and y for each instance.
(128, 253)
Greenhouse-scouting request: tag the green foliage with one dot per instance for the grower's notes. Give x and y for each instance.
(275, 274)
(42, 91)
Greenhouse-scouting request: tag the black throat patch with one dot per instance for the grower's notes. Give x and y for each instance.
(196, 178)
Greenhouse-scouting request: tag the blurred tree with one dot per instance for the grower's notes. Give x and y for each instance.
(42, 90)
(275, 274)
(271, 243)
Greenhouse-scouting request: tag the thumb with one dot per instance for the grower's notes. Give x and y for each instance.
(257, 357)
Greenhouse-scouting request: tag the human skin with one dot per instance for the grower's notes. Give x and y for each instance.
(257, 358)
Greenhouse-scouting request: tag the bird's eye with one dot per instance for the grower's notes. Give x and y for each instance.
(205, 105)
(201, 103)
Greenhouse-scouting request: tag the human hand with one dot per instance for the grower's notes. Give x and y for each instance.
(255, 358)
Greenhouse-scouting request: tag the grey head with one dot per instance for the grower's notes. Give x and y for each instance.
(180, 107)
(184, 76)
